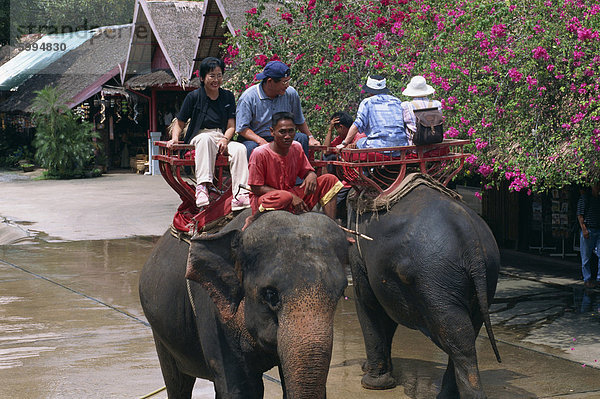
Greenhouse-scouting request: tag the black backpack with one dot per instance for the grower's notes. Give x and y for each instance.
(429, 125)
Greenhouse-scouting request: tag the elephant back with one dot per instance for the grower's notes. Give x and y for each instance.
(363, 202)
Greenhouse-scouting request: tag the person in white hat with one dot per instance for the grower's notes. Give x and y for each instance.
(379, 116)
(420, 91)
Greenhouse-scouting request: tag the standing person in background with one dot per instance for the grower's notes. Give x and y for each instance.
(260, 102)
(420, 91)
(211, 111)
(588, 215)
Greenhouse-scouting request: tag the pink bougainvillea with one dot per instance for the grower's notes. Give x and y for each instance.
(519, 79)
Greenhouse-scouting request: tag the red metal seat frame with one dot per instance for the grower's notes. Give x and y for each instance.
(374, 171)
(442, 161)
(170, 162)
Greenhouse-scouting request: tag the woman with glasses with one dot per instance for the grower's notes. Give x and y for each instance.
(211, 111)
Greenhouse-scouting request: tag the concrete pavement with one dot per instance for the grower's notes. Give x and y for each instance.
(115, 205)
(65, 305)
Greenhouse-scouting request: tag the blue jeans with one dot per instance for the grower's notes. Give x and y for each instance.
(300, 137)
(587, 247)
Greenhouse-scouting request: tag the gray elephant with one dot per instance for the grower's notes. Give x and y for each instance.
(259, 298)
(433, 266)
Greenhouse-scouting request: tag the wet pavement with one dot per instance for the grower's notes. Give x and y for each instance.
(71, 325)
(70, 316)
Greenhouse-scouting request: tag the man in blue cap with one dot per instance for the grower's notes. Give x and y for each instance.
(259, 102)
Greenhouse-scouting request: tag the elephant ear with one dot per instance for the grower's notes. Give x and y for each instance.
(211, 263)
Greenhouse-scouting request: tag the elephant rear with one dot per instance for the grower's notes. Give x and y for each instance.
(432, 265)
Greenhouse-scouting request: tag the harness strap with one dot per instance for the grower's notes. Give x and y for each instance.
(185, 238)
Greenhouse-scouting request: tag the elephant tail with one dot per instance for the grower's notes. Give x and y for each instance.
(481, 291)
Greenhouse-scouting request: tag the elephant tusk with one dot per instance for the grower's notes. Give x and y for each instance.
(356, 233)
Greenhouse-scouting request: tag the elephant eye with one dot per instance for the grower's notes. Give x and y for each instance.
(271, 297)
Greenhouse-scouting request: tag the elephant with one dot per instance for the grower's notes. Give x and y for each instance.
(229, 306)
(433, 266)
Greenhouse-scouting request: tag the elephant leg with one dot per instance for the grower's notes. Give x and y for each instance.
(461, 378)
(179, 385)
(378, 332)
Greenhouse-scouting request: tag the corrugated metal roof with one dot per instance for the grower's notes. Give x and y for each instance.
(47, 50)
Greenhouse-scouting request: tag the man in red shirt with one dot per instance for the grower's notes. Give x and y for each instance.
(273, 170)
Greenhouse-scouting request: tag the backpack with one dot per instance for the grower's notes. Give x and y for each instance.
(429, 125)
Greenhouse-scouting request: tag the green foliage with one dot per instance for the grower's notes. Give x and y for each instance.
(519, 78)
(64, 144)
(4, 22)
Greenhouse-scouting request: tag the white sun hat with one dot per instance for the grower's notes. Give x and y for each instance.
(418, 87)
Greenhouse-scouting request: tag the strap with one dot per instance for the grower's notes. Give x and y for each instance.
(415, 105)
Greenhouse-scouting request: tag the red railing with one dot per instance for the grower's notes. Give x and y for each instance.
(381, 173)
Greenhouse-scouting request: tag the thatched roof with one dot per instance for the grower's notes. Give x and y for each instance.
(236, 11)
(158, 78)
(78, 74)
(212, 32)
(175, 23)
(185, 32)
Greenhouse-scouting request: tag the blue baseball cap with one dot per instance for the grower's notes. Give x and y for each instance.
(275, 70)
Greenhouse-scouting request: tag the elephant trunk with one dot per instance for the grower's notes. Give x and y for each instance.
(305, 339)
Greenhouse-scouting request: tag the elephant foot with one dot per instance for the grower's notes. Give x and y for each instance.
(384, 381)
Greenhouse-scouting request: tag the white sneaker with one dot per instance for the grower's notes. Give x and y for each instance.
(201, 195)
(242, 201)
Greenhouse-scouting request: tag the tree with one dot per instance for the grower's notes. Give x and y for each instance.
(519, 78)
(64, 144)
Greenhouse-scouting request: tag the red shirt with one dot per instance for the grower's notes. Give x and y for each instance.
(267, 168)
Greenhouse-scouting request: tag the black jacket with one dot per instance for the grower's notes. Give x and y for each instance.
(195, 107)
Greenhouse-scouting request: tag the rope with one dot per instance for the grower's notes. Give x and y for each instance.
(189, 290)
(149, 395)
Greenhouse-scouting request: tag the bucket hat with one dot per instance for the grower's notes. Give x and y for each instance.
(375, 85)
(418, 87)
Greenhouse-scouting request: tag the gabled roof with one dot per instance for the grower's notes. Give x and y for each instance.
(170, 25)
(79, 73)
(184, 31)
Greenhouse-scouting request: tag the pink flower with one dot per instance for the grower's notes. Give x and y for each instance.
(499, 30)
(480, 144)
(478, 195)
(472, 89)
(451, 133)
(515, 75)
(318, 107)
(287, 17)
(550, 68)
(471, 159)
(251, 11)
(586, 34)
(485, 170)
(252, 34)
(261, 60)
(540, 52)
(314, 70)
